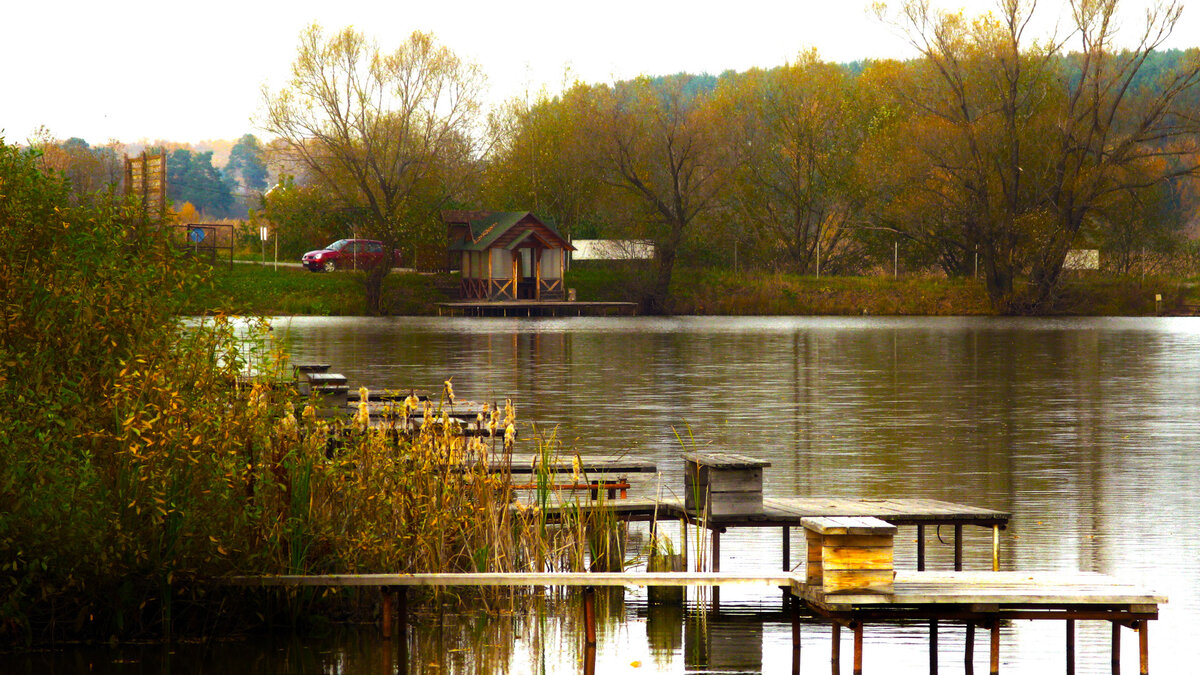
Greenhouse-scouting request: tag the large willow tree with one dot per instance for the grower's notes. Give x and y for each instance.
(390, 135)
(1025, 142)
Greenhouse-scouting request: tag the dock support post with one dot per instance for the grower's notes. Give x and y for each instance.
(995, 548)
(589, 614)
(589, 660)
(969, 649)
(1070, 646)
(995, 660)
(385, 613)
(835, 648)
(858, 647)
(787, 559)
(716, 567)
(1116, 648)
(933, 646)
(683, 530)
(402, 621)
(795, 610)
(958, 556)
(1144, 647)
(920, 548)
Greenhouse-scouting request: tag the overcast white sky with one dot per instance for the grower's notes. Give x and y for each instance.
(134, 69)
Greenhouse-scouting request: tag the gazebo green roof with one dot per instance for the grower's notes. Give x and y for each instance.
(486, 230)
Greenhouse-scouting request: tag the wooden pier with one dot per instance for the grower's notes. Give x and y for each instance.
(849, 575)
(975, 598)
(531, 308)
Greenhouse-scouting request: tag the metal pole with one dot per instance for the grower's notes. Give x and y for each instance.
(896, 258)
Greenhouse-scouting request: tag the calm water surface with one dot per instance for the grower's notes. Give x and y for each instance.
(1086, 430)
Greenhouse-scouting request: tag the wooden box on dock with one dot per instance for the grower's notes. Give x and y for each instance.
(720, 484)
(849, 555)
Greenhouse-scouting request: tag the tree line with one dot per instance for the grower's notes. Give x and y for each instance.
(993, 153)
(192, 178)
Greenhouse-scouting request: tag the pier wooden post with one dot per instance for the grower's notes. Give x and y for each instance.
(787, 559)
(795, 610)
(995, 548)
(716, 567)
(1144, 647)
(933, 647)
(995, 660)
(1116, 648)
(1070, 646)
(958, 544)
(858, 648)
(969, 649)
(589, 660)
(920, 548)
(589, 614)
(385, 613)
(683, 537)
(402, 621)
(835, 648)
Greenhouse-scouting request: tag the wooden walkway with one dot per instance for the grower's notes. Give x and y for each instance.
(985, 599)
(788, 512)
(976, 598)
(519, 308)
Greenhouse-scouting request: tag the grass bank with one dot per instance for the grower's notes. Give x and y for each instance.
(721, 292)
(251, 289)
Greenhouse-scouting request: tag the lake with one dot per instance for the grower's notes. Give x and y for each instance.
(1086, 430)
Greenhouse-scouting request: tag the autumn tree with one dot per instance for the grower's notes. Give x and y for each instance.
(799, 129)
(389, 135)
(1023, 145)
(1114, 138)
(542, 159)
(661, 147)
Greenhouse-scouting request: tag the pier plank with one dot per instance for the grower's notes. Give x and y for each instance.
(522, 579)
(1054, 590)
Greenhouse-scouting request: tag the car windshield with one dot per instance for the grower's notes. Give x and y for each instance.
(338, 245)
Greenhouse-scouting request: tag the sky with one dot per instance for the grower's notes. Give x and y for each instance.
(133, 69)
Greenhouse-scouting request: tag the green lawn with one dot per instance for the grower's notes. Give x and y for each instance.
(254, 289)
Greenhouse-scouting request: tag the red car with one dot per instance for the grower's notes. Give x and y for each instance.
(348, 254)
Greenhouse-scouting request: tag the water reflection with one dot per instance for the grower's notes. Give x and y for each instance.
(1084, 429)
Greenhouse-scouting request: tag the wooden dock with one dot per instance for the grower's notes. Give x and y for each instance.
(976, 598)
(531, 308)
(986, 599)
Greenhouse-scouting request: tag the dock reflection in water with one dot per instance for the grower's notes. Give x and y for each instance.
(1084, 429)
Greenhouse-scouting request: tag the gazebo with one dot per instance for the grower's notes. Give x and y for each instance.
(507, 255)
